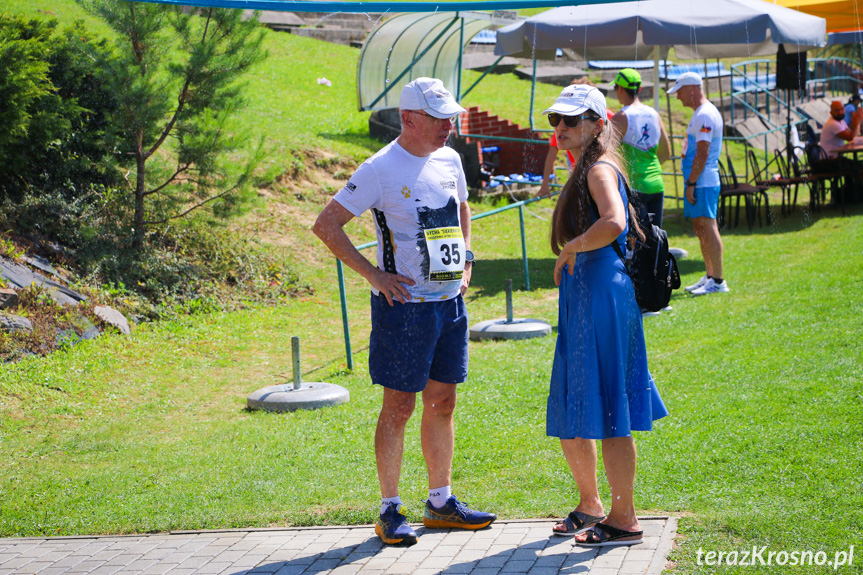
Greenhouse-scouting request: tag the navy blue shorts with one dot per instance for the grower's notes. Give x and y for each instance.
(411, 343)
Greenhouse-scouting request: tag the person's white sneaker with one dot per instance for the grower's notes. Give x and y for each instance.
(699, 284)
(711, 287)
(648, 313)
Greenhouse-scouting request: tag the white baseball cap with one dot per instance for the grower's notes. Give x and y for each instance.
(430, 96)
(686, 79)
(577, 99)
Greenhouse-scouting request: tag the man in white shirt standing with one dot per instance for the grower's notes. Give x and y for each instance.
(416, 190)
(700, 166)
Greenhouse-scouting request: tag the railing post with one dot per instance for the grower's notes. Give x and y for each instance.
(295, 353)
(508, 288)
(524, 248)
(345, 327)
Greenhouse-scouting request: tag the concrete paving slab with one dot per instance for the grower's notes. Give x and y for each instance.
(506, 547)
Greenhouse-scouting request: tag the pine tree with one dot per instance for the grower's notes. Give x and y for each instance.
(177, 78)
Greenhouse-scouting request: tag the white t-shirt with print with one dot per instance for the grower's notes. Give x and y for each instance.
(705, 126)
(642, 127)
(415, 203)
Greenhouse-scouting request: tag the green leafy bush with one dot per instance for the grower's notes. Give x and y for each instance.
(53, 110)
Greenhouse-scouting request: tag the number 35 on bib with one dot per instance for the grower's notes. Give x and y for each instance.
(446, 254)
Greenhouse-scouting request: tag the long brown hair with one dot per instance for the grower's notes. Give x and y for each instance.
(572, 213)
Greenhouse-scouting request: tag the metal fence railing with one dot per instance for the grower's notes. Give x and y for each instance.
(341, 273)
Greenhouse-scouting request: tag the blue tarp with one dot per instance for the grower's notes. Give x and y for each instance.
(485, 37)
(361, 7)
(713, 70)
(620, 64)
(753, 83)
(839, 38)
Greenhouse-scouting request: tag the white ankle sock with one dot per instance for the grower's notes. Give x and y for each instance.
(385, 502)
(439, 496)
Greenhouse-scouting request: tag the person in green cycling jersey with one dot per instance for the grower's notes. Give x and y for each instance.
(643, 142)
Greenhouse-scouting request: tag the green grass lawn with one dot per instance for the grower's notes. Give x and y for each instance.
(150, 432)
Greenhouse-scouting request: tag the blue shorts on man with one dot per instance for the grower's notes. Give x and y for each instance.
(411, 343)
(706, 203)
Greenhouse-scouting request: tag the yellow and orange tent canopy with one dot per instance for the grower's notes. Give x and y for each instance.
(841, 15)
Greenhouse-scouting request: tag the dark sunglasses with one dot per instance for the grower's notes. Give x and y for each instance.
(570, 121)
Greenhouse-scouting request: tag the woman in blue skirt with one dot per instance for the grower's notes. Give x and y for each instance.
(600, 387)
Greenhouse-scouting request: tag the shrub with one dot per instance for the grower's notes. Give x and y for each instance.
(53, 111)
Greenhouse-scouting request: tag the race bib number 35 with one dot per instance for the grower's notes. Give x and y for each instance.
(446, 254)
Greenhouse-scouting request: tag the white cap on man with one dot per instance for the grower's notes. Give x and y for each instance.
(577, 99)
(430, 96)
(686, 79)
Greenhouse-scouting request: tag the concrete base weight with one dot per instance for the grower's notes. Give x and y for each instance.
(678, 253)
(518, 328)
(284, 397)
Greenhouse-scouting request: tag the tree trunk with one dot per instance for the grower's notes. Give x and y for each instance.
(140, 188)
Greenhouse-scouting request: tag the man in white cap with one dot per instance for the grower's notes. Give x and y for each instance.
(701, 174)
(417, 192)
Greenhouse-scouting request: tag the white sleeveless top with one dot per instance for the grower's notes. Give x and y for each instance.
(642, 131)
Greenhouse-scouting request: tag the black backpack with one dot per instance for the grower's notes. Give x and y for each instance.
(651, 266)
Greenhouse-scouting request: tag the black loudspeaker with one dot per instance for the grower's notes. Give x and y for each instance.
(791, 70)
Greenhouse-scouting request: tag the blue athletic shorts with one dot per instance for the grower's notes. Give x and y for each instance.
(706, 203)
(411, 343)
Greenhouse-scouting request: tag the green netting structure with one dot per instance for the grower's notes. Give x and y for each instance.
(408, 46)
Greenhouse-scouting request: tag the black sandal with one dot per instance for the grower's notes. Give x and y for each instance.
(574, 523)
(602, 535)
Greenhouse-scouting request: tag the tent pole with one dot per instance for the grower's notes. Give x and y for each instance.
(532, 94)
(460, 57)
(719, 83)
(671, 141)
(656, 79)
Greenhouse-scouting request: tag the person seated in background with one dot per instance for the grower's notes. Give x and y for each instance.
(836, 132)
(852, 106)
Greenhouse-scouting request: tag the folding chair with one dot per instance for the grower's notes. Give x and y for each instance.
(759, 193)
(728, 191)
(784, 181)
(825, 169)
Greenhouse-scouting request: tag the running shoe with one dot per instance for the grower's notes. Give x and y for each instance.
(393, 529)
(711, 287)
(455, 515)
(698, 284)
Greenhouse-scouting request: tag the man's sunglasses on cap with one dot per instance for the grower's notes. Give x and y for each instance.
(570, 121)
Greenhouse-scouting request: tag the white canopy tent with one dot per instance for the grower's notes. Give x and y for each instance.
(637, 30)
(695, 28)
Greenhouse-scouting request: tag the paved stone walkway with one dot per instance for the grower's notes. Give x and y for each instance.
(506, 547)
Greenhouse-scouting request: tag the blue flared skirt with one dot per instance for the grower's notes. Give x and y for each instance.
(600, 383)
